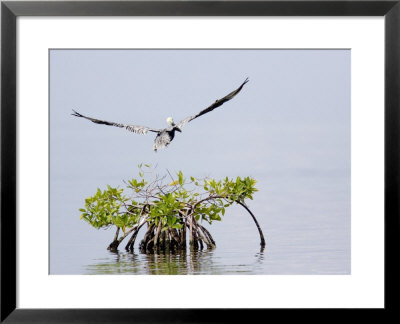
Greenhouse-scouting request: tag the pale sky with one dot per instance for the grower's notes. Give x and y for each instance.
(294, 113)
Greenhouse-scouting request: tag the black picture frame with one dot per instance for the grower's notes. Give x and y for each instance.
(10, 10)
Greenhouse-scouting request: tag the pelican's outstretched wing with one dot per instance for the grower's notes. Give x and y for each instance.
(131, 128)
(216, 104)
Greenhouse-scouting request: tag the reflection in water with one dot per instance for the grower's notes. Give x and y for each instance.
(260, 256)
(180, 263)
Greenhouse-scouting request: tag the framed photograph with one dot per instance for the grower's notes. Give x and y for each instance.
(186, 161)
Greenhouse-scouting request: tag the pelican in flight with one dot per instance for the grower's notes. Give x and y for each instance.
(166, 135)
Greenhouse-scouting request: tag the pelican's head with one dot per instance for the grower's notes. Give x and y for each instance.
(170, 121)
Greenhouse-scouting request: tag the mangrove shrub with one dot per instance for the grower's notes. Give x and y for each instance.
(173, 211)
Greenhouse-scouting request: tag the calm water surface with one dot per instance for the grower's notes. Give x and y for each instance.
(307, 232)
